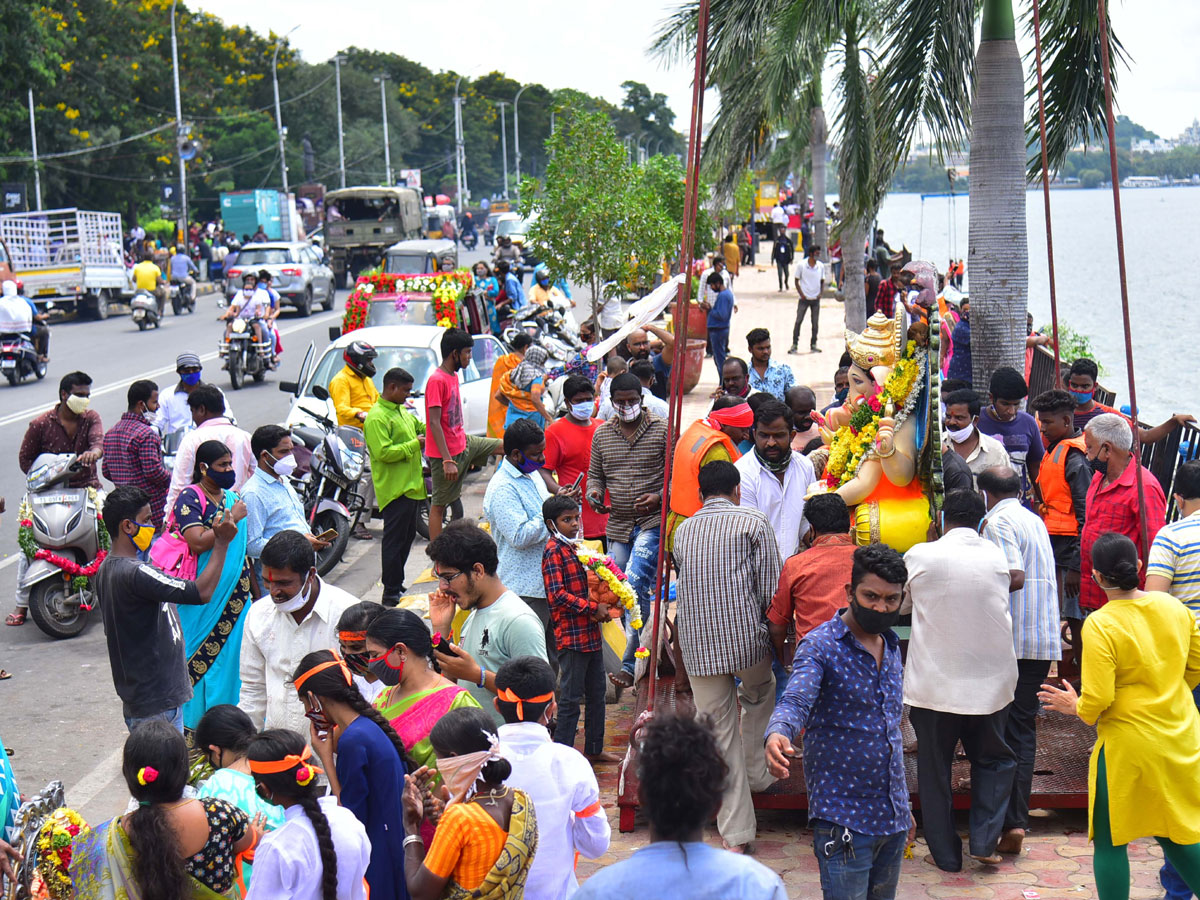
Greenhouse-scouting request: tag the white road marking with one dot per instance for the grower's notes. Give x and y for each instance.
(87, 788)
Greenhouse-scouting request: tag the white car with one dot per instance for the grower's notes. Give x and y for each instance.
(415, 348)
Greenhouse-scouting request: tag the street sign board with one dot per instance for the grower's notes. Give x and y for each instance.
(14, 197)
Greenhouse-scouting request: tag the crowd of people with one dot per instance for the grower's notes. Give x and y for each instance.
(289, 740)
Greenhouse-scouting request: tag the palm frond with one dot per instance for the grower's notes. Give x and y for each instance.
(1072, 77)
(736, 32)
(926, 71)
(855, 123)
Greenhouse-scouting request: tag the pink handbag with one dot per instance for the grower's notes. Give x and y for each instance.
(170, 552)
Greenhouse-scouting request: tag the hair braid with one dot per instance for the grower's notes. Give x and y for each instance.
(320, 824)
(360, 705)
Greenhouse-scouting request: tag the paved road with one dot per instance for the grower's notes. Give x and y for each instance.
(62, 718)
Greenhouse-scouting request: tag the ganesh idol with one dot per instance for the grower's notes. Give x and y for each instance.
(882, 461)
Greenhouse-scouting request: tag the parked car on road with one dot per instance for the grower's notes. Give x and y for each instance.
(298, 273)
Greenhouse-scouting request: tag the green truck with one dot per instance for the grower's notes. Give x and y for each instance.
(362, 222)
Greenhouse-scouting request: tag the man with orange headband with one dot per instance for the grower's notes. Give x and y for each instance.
(570, 820)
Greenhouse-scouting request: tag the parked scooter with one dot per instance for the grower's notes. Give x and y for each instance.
(65, 522)
(19, 358)
(144, 310)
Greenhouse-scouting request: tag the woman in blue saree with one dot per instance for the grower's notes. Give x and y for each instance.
(212, 632)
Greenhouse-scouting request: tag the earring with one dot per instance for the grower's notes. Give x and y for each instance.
(403, 659)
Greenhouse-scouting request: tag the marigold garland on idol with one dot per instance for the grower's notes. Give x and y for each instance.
(54, 852)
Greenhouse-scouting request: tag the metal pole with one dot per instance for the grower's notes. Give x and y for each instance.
(37, 175)
(337, 75)
(181, 132)
(387, 149)
(504, 145)
(278, 112)
(1037, 46)
(517, 137)
(460, 166)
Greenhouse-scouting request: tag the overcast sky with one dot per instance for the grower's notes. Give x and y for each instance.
(595, 46)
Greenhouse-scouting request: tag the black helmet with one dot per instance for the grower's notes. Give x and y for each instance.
(360, 356)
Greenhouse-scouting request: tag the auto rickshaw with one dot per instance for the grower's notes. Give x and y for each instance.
(423, 257)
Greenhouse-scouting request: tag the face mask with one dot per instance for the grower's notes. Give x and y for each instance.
(142, 537)
(459, 773)
(296, 603)
(190, 378)
(317, 716)
(562, 537)
(872, 621)
(1099, 465)
(222, 479)
(359, 663)
(527, 465)
(385, 671)
(582, 411)
(247, 292)
(285, 465)
(629, 413)
(77, 404)
(773, 465)
(961, 435)
(1081, 397)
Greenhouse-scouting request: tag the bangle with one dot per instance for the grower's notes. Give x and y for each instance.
(412, 839)
(482, 676)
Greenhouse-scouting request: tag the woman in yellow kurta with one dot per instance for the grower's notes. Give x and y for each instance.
(1141, 659)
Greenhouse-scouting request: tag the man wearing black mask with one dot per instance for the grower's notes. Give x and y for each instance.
(844, 696)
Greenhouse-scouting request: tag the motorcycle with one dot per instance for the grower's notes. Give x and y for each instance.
(244, 355)
(19, 358)
(329, 487)
(144, 310)
(65, 521)
(470, 240)
(182, 297)
(549, 327)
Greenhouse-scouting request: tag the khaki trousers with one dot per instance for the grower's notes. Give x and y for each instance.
(741, 743)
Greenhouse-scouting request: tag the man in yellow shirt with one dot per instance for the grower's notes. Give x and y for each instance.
(353, 394)
(147, 276)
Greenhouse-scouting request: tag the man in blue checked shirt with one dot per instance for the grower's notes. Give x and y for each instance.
(845, 696)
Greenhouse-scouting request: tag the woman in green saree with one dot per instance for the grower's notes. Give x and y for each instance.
(212, 632)
(169, 848)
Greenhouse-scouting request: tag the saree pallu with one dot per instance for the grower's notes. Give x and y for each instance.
(212, 632)
(506, 879)
(102, 867)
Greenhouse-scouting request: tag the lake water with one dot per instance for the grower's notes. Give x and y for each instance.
(1162, 229)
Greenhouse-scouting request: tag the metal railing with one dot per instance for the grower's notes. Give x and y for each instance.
(60, 238)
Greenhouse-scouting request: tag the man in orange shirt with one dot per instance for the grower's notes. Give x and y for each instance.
(812, 585)
(505, 364)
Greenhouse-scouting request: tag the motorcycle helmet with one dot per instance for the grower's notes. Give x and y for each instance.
(360, 356)
(541, 274)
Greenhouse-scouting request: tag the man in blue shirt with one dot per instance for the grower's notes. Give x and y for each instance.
(719, 315)
(845, 696)
(180, 267)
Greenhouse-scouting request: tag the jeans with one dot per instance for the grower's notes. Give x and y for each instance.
(172, 716)
(803, 306)
(1020, 733)
(858, 866)
(781, 270)
(582, 679)
(719, 339)
(1168, 876)
(399, 530)
(638, 558)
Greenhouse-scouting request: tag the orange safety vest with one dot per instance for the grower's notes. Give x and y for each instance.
(1058, 507)
(693, 444)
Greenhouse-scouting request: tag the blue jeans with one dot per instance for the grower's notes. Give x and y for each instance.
(172, 716)
(1170, 879)
(638, 559)
(718, 338)
(857, 866)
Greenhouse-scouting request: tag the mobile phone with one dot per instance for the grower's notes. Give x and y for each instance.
(328, 535)
(578, 480)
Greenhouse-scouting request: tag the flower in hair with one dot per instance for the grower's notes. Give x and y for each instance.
(147, 775)
(305, 775)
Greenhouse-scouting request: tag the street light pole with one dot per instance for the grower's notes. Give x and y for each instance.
(278, 113)
(181, 132)
(37, 175)
(517, 136)
(337, 75)
(460, 147)
(504, 144)
(381, 80)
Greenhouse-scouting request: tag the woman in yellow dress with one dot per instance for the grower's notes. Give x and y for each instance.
(1141, 659)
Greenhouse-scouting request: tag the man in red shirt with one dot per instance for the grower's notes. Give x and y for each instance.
(451, 453)
(1112, 500)
(569, 448)
(812, 585)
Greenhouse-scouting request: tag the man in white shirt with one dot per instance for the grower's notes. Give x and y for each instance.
(174, 414)
(300, 616)
(775, 479)
(981, 451)
(810, 282)
(558, 779)
(960, 677)
(15, 315)
(778, 219)
(1033, 603)
(208, 412)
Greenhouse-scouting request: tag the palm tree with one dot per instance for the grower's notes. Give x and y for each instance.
(927, 72)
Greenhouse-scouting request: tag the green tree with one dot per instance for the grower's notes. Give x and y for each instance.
(595, 223)
(664, 177)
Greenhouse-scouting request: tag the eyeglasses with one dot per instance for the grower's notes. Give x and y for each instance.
(446, 577)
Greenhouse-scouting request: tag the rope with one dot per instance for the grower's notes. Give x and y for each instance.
(1037, 46)
(675, 402)
(1116, 192)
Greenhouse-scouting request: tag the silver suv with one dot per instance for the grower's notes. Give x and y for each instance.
(298, 273)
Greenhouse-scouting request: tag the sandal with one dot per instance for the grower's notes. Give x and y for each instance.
(4, 676)
(17, 617)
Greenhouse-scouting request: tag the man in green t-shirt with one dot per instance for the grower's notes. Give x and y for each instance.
(395, 439)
